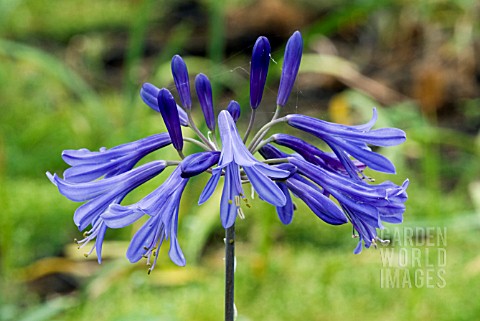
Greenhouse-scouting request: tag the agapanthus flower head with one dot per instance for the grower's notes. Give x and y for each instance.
(330, 183)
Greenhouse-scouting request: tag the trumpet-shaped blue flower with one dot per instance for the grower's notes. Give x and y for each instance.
(162, 206)
(352, 140)
(88, 165)
(313, 154)
(100, 194)
(235, 154)
(365, 205)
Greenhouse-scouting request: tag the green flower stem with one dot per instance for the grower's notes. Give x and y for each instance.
(196, 142)
(250, 125)
(204, 139)
(229, 273)
(263, 131)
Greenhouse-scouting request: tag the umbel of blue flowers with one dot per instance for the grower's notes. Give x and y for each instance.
(331, 183)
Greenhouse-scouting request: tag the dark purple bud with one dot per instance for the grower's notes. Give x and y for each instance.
(259, 70)
(198, 163)
(180, 77)
(291, 63)
(204, 93)
(269, 151)
(234, 110)
(287, 167)
(168, 109)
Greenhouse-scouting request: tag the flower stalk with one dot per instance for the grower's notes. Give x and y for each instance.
(229, 273)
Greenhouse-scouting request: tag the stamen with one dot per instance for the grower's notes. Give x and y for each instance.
(237, 201)
(374, 243)
(240, 213)
(271, 58)
(383, 242)
(208, 136)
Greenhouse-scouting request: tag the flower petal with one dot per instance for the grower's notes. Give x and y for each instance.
(265, 187)
(285, 213)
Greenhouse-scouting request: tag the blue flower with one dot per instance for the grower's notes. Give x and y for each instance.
(352, 140)
(88, 166)
(313, 154)
(235, 154)
(162, 206)
(100, 194)
(365, 205)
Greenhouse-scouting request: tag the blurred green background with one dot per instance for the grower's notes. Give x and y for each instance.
(70, 73)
